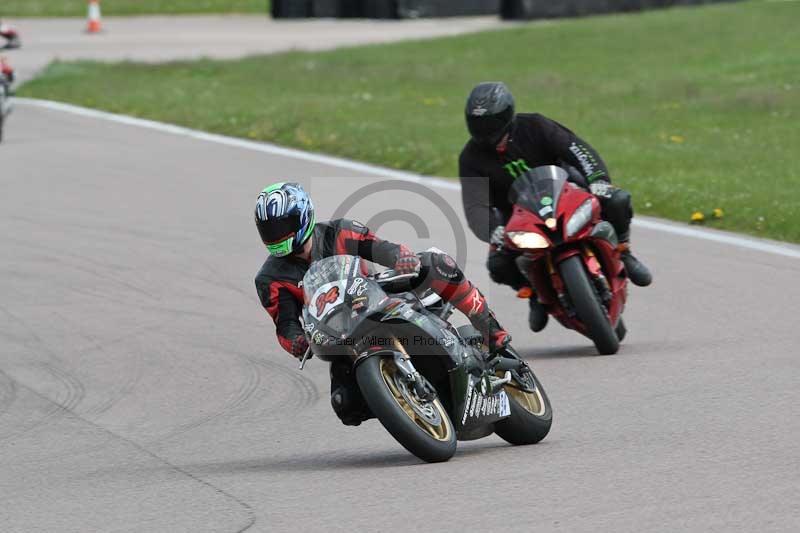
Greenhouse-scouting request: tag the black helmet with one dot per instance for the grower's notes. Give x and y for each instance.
(490, 112)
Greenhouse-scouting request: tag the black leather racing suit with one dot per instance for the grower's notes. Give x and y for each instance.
(487, 175)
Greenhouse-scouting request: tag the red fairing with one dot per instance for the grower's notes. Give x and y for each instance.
(572, 197)
(523, 220)
(599, 256)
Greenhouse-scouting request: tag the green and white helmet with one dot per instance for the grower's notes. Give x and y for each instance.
(285, 218)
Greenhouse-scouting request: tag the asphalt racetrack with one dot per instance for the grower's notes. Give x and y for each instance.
(142, 389)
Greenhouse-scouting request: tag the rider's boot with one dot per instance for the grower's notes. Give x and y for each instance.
(537, 317)
(637, 272)
(496, 337)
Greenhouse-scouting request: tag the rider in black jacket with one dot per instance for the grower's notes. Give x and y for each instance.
(503, 145)
(287, 224)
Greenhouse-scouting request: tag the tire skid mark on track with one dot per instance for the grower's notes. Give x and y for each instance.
(94, 268)
(74, 390)
(247, 389)
(131, 378)
(304, 393)
(251, 516)
(305, 389)
(220, 280)
(127, 387)
(97, 345)
(8, 392)
(69, 397)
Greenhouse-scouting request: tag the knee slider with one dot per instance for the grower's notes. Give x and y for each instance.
(443, 266)
(497, 269)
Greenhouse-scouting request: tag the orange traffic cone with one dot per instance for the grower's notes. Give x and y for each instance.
(94, 25)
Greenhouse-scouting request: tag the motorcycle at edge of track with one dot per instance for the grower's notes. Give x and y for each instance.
(429, 392)
(570, 255)
(6, 78)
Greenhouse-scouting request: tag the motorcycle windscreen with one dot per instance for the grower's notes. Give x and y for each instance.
(338, 296)
(539, 190)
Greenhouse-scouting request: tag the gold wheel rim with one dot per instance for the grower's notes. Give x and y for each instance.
(530, 401)
(440, 432)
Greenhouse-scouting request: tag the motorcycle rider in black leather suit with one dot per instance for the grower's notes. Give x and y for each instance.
(505, 144)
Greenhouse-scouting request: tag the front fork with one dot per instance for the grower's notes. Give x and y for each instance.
(410, 375)
(596, 272)
(421, 386)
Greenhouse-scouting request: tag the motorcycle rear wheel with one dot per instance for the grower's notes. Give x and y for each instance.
(531, 414)
(424, 429)
(587, 305)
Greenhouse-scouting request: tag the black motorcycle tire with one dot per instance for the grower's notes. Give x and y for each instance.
(621, 330)
(392, 416)
(524, 427)
(587, 305)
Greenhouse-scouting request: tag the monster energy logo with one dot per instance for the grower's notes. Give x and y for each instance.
(515, 168)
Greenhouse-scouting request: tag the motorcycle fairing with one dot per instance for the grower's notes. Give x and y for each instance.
(599, 256)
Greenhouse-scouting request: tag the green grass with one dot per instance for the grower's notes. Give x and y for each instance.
(693, 109)
(77, 8)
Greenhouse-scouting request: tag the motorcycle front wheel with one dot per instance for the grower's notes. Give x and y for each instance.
(422, 428)
(587, 305)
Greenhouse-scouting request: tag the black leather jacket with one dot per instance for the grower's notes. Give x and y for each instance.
(488, 174)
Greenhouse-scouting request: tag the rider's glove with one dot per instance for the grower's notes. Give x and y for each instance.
(498, 238)
(602, 189)
(299, 346)
(407, 262)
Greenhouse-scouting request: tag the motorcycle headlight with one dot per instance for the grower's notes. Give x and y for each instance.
(528, 240)
(580, 218)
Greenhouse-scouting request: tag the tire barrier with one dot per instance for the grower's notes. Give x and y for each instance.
(290, 9)
(507, 9)
(536, 9)
(382, 9)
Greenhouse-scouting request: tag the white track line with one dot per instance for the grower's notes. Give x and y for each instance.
(759, 245)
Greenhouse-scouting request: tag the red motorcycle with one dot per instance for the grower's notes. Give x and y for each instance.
(570, 255)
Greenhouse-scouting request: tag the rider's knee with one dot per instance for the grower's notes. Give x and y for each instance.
(501, 268)
(619, 205)
(497, 275)
(618, 210)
